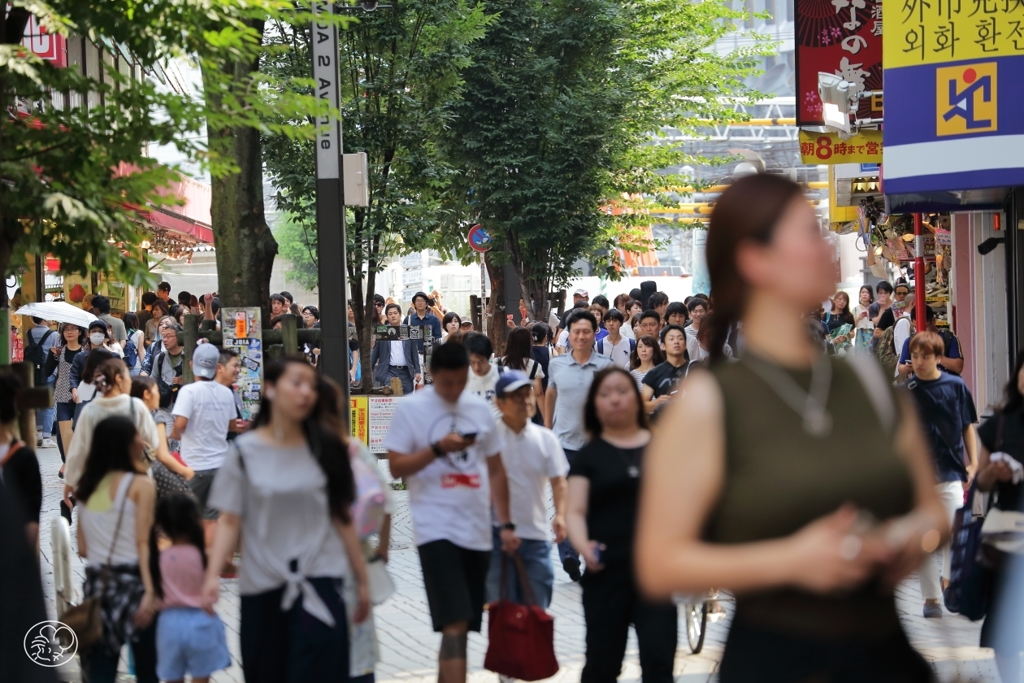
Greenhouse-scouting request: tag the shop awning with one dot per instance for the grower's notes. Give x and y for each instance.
(183, 226)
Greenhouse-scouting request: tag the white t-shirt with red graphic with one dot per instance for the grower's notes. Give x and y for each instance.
(450, 498)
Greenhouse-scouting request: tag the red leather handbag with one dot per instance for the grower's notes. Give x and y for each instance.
(521, 638)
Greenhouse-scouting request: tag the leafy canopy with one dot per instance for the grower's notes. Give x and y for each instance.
(72, 176)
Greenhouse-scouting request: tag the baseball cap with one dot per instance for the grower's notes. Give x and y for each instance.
(582, 292)
(204, 360)
(509, 381)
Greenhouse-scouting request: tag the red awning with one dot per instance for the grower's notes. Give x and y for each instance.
(183, 226)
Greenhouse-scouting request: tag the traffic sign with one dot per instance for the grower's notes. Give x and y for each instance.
(479, 239)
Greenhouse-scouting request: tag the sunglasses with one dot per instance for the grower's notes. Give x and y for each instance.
(902, 292)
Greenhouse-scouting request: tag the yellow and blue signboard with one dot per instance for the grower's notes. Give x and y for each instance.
(954, 91)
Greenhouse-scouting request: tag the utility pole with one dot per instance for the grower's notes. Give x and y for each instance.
(330, 204)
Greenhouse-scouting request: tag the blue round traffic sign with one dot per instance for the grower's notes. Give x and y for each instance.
(479, 239)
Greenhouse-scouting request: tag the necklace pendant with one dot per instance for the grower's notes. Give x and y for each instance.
(633, 471)
(818, 424)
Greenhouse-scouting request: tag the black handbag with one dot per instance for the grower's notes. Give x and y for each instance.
(970, 575)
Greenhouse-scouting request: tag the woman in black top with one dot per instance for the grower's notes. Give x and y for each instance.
(604, 489)
(19, 467)
(1004, 433)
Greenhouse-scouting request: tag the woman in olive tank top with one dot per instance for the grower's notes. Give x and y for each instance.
(805, 485)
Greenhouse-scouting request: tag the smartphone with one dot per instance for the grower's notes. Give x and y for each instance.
(597, 553)
(471, 436)
(509, 316)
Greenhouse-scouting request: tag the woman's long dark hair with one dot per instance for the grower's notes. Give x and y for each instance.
(846, 316)
(748, 210)
(591, 423)
(1014, 401)
(110, 452)
(518, 349)
(93, 361)
(107, 373)
(330, 451)
(177, 517)
(657, 358)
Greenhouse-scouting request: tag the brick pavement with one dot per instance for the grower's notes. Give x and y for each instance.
(409, 648)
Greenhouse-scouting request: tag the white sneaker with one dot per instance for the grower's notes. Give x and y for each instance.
(48, 443)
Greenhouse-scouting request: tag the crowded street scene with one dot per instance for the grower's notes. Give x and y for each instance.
(481, 341)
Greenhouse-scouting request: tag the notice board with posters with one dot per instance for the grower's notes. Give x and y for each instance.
(243, 333)
(381, 409)
(841, 37)
(360, 419)
(954, 88)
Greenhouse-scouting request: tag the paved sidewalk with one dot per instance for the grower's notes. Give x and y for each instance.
(409, 648)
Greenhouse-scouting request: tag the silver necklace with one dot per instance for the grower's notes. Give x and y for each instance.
(809, 405)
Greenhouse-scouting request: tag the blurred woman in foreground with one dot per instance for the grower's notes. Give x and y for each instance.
(805, 486)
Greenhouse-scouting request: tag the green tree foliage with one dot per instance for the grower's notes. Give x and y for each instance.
(297, 244)
(71, 175)
(553, 138)
(400, 81)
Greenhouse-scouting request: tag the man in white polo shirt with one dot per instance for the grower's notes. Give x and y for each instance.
(443, 441)
(203, 414)
(533, 458)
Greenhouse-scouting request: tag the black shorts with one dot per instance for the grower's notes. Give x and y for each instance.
(200, 485)
(455, 579)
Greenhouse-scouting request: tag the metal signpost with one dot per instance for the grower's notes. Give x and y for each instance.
(481, 241)
(330, 205)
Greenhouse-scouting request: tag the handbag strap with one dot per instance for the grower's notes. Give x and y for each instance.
(105, 569)
(999, 431)
(522, 577)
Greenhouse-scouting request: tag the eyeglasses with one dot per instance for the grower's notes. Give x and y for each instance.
(902, 292)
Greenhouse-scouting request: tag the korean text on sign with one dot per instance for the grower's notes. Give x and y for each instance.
(936, 31)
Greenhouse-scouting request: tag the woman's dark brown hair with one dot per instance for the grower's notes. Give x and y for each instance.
(748, 210)
(591, 423)
(657, 358)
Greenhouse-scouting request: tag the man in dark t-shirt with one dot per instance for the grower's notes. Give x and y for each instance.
(947, 413)
(660, 383)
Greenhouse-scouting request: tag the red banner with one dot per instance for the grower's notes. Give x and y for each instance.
(51, 47)
(842, 37)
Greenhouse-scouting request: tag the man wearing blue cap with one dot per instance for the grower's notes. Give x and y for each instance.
(532, 458)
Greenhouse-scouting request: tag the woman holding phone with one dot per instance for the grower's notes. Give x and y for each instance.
(806, 486)
(604, 490)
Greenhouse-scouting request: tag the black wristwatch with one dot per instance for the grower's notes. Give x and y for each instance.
(436, 447)
(508, 526)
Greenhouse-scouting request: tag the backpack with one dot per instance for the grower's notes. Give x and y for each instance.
(600, 346)
(131, 352)
(369, 507)
(886, 351)
(35, 354)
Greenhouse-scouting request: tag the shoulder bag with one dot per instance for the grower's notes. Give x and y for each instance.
(970, 578)
(521, 638)
(85, 618)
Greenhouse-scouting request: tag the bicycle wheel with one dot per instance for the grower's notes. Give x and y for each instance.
(696, 624)
(63, 581)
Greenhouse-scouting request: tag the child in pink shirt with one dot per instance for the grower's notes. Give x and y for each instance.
(189, 640)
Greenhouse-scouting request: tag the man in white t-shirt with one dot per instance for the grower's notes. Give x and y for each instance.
(616, 347)
(203, 414)
(483, 376)
(533, 458)
(445, 443)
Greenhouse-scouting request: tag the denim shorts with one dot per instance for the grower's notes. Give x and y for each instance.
(190, 641)
(65, 411)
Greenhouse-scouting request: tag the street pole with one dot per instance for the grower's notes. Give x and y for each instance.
(919, 290)
(483, 294)
(330, 206)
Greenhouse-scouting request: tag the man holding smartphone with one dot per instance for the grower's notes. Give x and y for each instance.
(445, 443)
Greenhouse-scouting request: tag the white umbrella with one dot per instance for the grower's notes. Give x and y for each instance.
(58, 311)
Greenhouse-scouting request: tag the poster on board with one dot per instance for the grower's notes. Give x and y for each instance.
(360, 418)
(382, 408)
(243, 333)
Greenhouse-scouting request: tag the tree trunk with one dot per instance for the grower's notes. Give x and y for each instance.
(497, 308)
(12, 30)
(245, 246)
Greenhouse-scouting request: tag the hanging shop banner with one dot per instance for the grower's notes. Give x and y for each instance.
(843, 37)
(828, 148)
(954, 84)
(360, 418)
(242, 332)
